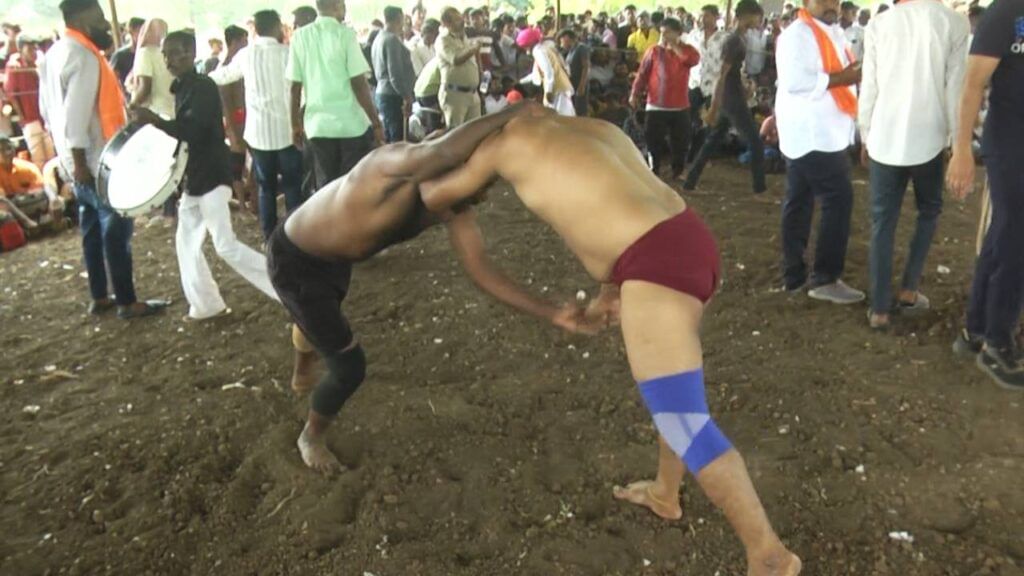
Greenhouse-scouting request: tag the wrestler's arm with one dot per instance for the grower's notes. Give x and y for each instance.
(432, 158)
(466, 181)
(468, 243)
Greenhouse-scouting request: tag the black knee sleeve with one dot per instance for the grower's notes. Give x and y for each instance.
(345, 372)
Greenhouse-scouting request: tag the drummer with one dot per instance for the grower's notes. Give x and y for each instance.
(204, 207)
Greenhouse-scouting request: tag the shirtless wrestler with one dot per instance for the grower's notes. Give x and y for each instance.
(377, 205)
(660, 265)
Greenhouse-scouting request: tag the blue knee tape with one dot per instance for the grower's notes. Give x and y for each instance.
(681, 414)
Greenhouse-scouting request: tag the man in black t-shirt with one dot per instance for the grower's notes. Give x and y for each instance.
(124, 59)
(729, 105)
(996, 62)
(577, 57)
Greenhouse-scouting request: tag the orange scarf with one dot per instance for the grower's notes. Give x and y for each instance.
(845, 99)
(111, 100)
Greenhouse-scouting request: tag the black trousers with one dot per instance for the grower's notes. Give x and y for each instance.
(336, 157)
(998, 290)
(823, 177)
(743, 121)
(668, 137)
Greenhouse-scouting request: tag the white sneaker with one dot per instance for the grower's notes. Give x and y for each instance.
(837, 293)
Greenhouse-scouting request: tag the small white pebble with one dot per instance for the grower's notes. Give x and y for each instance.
(581, 296)
(438, 340)
(859, 469)
(50, 368)
(31, 409)
(586, 355)
(646, 562)
(755, 333)
(944, 270)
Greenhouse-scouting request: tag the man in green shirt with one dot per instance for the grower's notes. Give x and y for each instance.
(460, 72)
(427, 88)
(327, 66)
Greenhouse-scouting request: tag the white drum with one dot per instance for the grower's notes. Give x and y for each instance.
(140, 168)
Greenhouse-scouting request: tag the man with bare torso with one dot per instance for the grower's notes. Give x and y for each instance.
(376, 205)
(660, 267)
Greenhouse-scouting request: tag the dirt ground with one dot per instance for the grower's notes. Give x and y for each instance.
(486, 443)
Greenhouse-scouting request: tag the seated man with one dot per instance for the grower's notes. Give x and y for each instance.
(22, 193)
(586, 179)
(375, 206)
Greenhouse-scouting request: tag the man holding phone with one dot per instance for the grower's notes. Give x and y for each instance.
(816, 110)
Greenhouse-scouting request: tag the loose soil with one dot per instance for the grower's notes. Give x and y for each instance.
(484, 442)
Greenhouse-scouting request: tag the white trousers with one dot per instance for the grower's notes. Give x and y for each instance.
(40, 146)
(562, 104)
(198, 215)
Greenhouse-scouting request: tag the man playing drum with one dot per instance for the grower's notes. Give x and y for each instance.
(204, 208)
(586, 179)
(375, 206)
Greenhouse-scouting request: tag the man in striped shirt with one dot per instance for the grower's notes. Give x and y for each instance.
(268, 128)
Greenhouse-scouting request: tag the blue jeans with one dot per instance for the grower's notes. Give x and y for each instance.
(996, 296)
(106, 244)
(269, 166)
(393, 116)
(888, 185)
(824, 177)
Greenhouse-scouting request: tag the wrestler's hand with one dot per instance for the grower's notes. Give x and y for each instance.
(604, 312)
(572, 318)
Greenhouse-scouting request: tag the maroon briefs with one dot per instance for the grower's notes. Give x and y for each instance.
(679, 253)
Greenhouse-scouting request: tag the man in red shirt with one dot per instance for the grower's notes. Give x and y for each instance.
(665, 77)
(22, 88)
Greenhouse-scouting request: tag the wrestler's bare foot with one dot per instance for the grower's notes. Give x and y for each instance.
(651, 496)
(315, 453)
(780, 562)
(304, 376)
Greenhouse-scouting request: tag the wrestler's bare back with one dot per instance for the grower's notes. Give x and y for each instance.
(583, 177)
(360, 214)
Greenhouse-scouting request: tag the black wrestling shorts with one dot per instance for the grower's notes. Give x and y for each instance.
(312, 290)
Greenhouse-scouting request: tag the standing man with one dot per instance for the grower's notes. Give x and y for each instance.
(816, 110)
(907, 118)
(204, 207)
(627, 25)
(730, 100)
(303, 16)
(22, 88)
(664, 77)
(82, 103)
(123, 61)
(549, 70)
(460, 73)
(996, 62)
(708, 39)
(233, 101)
(644, 38)
(268, 126)
(577, 56)
(854, 31)
(328, 69)
(396, 78)
(422, 48)
(491, 56)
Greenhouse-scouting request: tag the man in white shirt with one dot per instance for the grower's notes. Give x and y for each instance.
(421, 47)
(854, 31)
(268, 126)
(816, 110)
(907, 118)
